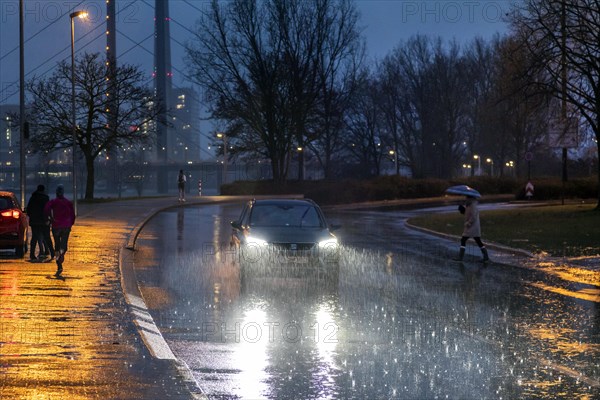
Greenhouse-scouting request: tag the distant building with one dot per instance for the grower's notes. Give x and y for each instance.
(184, 134)
(9, 147)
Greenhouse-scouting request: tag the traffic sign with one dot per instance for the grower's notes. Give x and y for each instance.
(529, 190)
(563, 133)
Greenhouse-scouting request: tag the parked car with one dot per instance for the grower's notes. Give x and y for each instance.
(284, 231)
(13, 224)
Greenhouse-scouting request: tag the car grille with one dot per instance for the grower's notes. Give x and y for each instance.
(294, 246)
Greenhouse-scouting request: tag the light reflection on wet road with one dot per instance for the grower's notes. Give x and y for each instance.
(400, 322)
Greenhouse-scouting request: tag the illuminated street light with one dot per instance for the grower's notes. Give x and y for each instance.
(223, 137)
(77, 14)
(491, 162)
(511, 166)
(466, 168)
(476, 157)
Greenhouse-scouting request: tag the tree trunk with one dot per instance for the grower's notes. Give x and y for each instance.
(598, 184)
(89, 184)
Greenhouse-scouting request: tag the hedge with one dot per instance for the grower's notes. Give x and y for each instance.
(398, 187)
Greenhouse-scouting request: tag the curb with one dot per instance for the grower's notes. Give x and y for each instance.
(141, 317)
(491, 245)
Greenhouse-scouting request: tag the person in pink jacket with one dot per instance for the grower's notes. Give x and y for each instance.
(61, 213)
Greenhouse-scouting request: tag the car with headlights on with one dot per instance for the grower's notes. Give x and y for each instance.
(13, 224)
(284, 231)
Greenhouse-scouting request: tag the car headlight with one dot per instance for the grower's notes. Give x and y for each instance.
(328, 243)
(254, 241)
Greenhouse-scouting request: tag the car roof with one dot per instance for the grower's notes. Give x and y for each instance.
(283, 201)
(6, 193)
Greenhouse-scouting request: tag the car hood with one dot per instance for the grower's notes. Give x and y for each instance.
(290, 234)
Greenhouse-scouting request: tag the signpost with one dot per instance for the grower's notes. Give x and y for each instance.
(528, 158)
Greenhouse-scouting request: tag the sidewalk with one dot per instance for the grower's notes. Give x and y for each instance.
(75, 338)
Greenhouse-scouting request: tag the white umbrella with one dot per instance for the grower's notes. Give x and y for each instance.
(463, 190)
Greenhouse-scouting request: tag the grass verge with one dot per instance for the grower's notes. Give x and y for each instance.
(569, 230)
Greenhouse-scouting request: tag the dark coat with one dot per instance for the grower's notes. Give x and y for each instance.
(35, 208)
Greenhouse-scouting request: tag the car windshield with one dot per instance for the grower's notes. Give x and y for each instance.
(285, 215)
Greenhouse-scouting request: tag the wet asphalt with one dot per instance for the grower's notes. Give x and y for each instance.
(400, 320)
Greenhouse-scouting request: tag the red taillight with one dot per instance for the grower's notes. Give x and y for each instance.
(11, 213)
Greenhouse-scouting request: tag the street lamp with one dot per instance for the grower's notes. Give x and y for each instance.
(491, 162)
(81, 14)
(511, 167)
(476, 157)
(223, 137)
(466, 169)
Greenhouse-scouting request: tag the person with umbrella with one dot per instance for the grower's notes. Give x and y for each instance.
(472, 226)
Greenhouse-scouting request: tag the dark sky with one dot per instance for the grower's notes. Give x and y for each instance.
(47, 30)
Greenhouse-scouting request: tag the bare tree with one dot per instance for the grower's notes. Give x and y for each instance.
(482, 120)
(261, 64)
(448, 102)
(564, 37)
(407, 101)
(131, 106)
(528, 107)
(424, 101)
(365, 128)
(339, 62)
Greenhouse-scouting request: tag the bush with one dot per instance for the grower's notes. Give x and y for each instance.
(398, 187)
(552, 189)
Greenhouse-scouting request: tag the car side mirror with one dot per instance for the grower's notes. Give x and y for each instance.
(236, 225)
(334, 227)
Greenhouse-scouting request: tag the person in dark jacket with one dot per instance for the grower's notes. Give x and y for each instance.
(61, 212)
(38, 223)
(181, 179)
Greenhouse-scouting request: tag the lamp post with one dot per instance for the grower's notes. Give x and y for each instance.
(467, 168)
(511, 167)
(491, 162)
(223, 136)
(22, 166)
(476, 157)
(73, 15)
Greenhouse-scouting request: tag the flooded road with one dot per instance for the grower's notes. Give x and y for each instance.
(400, 321)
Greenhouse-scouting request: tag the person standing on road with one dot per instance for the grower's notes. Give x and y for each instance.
(181, 185)
(472, 229)
(37, 221)
(62, 217)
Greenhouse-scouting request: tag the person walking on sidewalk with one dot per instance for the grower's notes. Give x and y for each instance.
(181, 185)
(37, 221)
(62, 217)
(472, 229)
